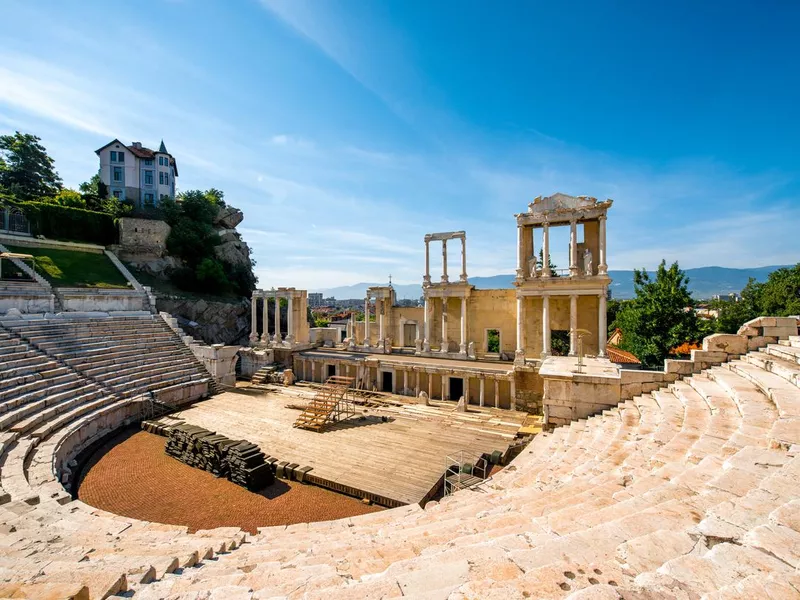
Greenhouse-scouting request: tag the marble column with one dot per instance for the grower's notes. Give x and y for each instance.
(445, 387)
(265, 319)
(429, 375)
(445, 341)
(444, 262)
(520, 253)
(520, 353)
(545, 326)
(464, 259)
(313, 368)
(427, 276)
(602, 327)
(277, 337)
(426, 342)
(573, 324)
(405, 383)
(573, 249)
(463, 346)
(290, 320)
(416, 383)
(482, 392)
(602, 267)
(253, 319)
(512, 384)
(366, 321)
(546, 250)
(381, 332)
(496, 393)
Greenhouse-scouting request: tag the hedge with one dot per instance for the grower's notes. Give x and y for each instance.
(67, 223)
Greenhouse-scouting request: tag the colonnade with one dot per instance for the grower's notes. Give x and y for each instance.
(276, 338)
(443, 237)
(602, 326)
(462, 347)
(526, 268)
(414, 378)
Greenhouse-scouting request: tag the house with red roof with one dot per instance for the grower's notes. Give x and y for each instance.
(137, 173)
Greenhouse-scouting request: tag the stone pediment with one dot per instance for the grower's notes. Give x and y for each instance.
(560, 202)
(560, 208)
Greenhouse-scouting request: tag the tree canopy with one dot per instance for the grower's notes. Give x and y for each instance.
(192, 238)
(26, 170)
(659, 317)
(778, 296)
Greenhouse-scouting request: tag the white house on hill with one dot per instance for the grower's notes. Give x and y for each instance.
(138, 174)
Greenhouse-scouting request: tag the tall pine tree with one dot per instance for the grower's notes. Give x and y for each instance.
(26, 170)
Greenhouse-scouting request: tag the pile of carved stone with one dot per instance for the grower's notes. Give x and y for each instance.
(239, 461)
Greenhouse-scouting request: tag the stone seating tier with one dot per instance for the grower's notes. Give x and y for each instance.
(685, 492)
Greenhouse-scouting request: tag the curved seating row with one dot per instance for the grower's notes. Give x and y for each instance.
(689, 491)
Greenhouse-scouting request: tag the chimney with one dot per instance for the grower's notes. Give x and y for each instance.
(137, 145)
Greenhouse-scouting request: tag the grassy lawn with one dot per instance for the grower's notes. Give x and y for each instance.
(69, 268)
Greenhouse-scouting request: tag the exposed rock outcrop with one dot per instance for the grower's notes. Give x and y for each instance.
(213, 322)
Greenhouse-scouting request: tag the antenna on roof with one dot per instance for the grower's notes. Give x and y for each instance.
(390, 280)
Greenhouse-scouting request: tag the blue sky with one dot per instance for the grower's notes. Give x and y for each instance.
(347, 130)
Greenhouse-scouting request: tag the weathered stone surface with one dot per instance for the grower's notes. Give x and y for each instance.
(228, 217)
(214, 322)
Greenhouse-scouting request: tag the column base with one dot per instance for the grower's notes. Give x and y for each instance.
(602, 270)
(462, 349)
(289, 339)
(545, 354)
(443, 349)
(426, 346)
(426, 279)
(253, 338)
(276, 339)
(264, 338)
(445, 279)
(573, 271)
(519, 357)
(463, 278)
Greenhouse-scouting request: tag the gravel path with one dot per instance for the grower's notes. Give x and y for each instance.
(132, 476)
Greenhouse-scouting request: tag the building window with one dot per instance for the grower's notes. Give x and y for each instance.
(117, 173)
(148, 178)
(117, 194)
(113, 156)
(121, 156)
(166, 179)
(161, 177)
(148, 162)
(148, 200)
(162, 160)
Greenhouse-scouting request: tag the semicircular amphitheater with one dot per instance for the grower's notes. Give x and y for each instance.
(684, 486)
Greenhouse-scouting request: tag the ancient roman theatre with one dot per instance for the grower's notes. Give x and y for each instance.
(460, 456)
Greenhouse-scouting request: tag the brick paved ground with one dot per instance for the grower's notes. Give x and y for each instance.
(132, 476)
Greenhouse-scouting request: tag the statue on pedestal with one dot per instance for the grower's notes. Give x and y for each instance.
(587, 262)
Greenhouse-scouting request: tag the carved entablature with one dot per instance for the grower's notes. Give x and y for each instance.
(383, 292)
(445, 235)
(561, 208)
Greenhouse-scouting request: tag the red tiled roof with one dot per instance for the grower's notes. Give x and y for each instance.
(618, 355)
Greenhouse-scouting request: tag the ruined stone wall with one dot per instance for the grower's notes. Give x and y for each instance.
(142, 237)
(213, 322)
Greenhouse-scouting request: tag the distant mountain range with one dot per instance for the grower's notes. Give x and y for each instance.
(704, 282)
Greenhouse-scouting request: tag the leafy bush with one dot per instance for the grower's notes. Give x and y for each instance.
(210, 273)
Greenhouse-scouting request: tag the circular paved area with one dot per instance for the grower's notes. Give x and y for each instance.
(132, 476)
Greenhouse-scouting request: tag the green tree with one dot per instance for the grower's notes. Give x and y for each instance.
(211, 274)
(540, 262)
(26, 170)
(659, 317)
(69, 197)
(94, 192)
(778, 296)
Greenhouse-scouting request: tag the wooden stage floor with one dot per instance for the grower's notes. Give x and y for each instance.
(400, 460)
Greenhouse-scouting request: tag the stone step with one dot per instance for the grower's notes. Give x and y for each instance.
(789, 370)
(786, 352)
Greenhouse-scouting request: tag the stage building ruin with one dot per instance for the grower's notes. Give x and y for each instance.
(487, 345)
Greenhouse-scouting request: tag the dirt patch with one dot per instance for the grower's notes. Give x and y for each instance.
(131, 475)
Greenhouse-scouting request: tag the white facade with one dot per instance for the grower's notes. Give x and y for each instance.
(137, 173)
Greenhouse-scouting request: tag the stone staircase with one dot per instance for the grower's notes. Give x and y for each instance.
(688, 491)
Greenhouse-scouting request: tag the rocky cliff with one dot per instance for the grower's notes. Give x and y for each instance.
(213, 322)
